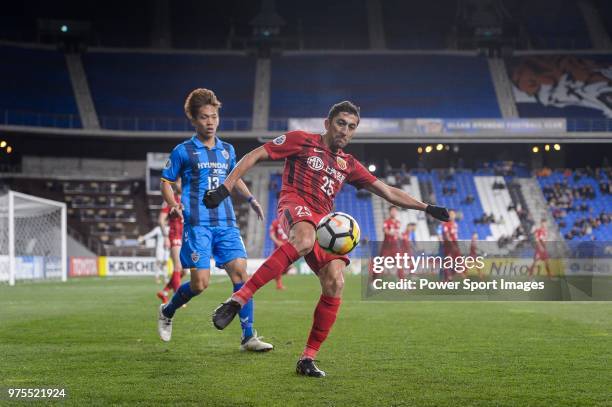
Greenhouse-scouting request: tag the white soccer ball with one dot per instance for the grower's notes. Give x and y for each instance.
(338, 233)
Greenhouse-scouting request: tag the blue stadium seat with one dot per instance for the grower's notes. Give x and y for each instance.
(386, 86)
(32, 96)
(601, 203)
(147, 91)
(463, 180)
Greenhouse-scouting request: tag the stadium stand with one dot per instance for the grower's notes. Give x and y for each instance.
(31, 96)
(580, 201)
(570, 86)
(397, 86)
(133, 91)
(457, 190)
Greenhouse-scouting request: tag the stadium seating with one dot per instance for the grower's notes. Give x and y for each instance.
(134, 91)
(601, 203)
(463, 181)
(32, 96)
(572, 86)
(397, 86)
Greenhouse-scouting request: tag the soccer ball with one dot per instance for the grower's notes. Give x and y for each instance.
(338, 233)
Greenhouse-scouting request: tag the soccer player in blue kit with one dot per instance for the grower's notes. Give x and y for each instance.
(202, 163)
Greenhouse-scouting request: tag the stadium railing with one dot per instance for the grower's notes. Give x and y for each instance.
(39, 119)
(72, 121)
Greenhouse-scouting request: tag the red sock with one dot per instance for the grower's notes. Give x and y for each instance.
(175, 281)
(274, 266)
(324, 318)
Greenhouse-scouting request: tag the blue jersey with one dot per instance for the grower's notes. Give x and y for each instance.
(201, 169)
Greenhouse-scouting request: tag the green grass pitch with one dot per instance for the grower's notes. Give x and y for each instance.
(97, 338)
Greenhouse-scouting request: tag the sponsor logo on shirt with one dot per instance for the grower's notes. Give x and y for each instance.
(315, 163)
(213, 164)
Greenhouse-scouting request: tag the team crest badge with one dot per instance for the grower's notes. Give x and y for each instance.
(279, 140)
(341, 163)
(195, 257)
(225, 154)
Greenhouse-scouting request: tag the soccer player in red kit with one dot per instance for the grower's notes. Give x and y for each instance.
(279, 237)
(406, 242)
(173, 234)
(315, 170)
(391, 243)
(540, 235)
(450, 236)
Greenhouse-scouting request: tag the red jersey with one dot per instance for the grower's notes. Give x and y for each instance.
(406, 243)
(449, 231)
(391, 227)
(313, 174)
(173, 220)
(278, 232)
(540, 234)
(474, 248)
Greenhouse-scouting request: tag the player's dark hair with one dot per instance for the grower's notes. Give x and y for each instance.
(346, 107)
(198, 98)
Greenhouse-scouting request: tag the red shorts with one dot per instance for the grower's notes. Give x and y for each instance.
(290, 213)
(541, 255)
(175, 234)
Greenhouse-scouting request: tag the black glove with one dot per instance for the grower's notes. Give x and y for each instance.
(438, 212)
(214, 197)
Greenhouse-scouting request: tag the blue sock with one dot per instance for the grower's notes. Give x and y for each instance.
(181, 297)
(246, 314)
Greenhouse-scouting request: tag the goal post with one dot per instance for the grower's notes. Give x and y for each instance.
(32, 238)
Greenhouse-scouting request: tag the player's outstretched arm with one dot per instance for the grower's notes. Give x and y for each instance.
(214, 197)
(400, 198)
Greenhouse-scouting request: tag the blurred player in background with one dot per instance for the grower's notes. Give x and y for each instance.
(474, 253)
(202, 163)
(541, 253)
(315, 170)
(391, 242)
(407, 241)
(450, 239)
(172, 226)
(162, 251)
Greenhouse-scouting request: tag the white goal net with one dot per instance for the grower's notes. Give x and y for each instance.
(32, 238)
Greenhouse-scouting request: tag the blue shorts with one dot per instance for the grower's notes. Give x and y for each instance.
(200, 243)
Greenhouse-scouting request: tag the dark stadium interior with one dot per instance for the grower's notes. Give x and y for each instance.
(499, 111)
(81, 82)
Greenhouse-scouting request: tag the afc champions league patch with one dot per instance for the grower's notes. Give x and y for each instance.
(341, 163)
(225, 154)
(195, 257)
(168, 164)
(279, 140)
